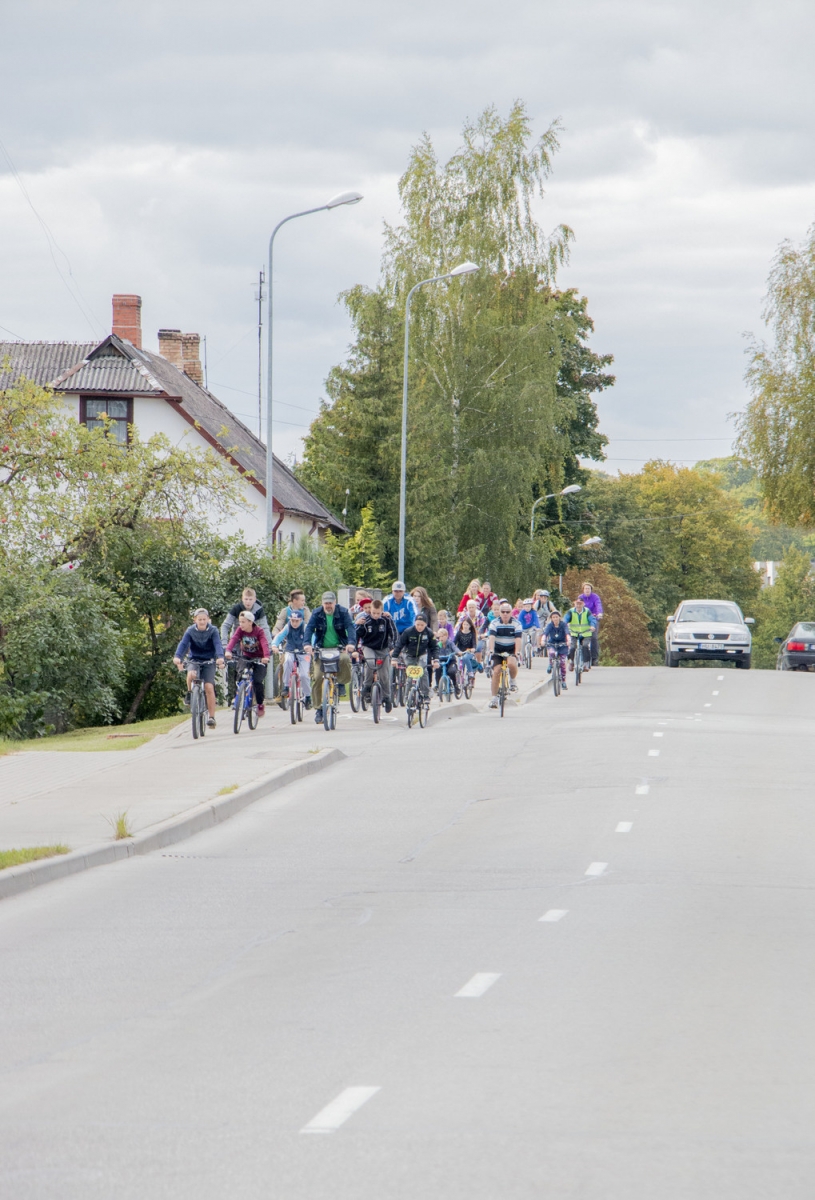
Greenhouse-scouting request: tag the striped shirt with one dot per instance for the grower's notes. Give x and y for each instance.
(504, 635)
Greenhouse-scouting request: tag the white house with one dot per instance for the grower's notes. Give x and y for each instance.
(164, 393)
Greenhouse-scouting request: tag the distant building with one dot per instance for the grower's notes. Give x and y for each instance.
(768, 571)
(164, 393)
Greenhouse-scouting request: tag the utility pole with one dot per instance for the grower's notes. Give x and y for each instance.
(260, 298)
(204, 340)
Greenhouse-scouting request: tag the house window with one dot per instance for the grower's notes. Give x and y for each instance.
(119, 412)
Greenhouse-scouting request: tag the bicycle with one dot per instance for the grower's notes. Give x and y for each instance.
(445, 682)
(526, 651)
(418, 705)
(555, 666)
(244, 702)
(579, 660)
(467, 678)
(377, 692)
(198, 699)
(330, 660)
(296, 702)
(356, 691)
(503, 682)
(399, 683)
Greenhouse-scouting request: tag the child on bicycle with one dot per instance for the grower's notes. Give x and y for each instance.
(249, 640)
(419, 646)
(556, 634)
(447, 654)
(202, 643)
(297, 651)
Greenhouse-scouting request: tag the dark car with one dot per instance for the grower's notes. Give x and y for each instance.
(797, 652)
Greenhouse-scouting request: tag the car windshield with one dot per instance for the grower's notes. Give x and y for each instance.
(804, 629)
(711, 614)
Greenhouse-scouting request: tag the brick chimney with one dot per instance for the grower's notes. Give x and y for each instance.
(127, 318)
(169, 347)
(191, 350)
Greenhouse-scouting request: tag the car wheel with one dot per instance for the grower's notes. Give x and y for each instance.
(744, 663)
(671, 660)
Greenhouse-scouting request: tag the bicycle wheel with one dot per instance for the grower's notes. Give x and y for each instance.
(528, 656)
(376, 701)
(355, 691)
(240, 707)
(252, 709)
(202, 715)
(195, 700)
(328, 699)
(410, 706)
(578, 664)
(423, 710)
(502, 694)
(294, 697)
(556, 681)
(401, 691)
(333, 711)
(468, 687)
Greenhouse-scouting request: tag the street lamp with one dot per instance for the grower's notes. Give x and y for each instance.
(465, 268)
(334, 202)
(567, 491)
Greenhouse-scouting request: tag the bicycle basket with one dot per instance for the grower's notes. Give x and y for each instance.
(330, 660)
(415, 672)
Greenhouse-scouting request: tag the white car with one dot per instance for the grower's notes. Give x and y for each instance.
(708, 629)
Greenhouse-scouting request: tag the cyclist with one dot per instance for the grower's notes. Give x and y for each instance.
(581, 625)
(479, 627)
(202, 643)
(331, 627)
(399, 607)
(466, 642)
(251, 644)
(543, 606)
(529, 621)
(419, 646)
(297, 603)
(556, 634)
(447, 653)
(595, 606)
(423, 603)
(504, 637)
(495, 612)
(248, 603)
(376, 637)
(486, 597)
(473, 588)
(444, 623)
(291, 641)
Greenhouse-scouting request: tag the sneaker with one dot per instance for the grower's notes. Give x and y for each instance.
(458, 693)
(571, 666)
(341, 690)
(480, 668)
(513, 687)
(261, 710)
(187, 699)
(494, 702)
(307, 702)
(318, 716)
(565, 686)
(549, 669)
(211, 722)
(388, 705)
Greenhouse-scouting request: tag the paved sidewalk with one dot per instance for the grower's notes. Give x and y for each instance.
(73, 796)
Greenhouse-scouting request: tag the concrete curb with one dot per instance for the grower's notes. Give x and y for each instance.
(462, 708)
(538, 690)
(15, 880)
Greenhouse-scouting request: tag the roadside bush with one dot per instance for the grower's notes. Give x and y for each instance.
(624, 637)
(61, 659)
(790, 599)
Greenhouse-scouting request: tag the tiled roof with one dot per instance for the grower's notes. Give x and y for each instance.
(117, 366)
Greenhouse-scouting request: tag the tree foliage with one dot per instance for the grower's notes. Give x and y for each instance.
(501, 375)
(359, 556)
(777, 429)
(671, 533)
(790, 599)
(625, 640)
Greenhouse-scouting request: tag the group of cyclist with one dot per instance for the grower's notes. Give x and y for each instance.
(407, 629)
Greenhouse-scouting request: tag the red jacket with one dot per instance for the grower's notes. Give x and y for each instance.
(464, 600)
(252, 644)
(485, 602)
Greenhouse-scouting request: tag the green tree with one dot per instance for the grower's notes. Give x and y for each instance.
(777, 429)
(359, 556)
(501, 375)
(790, 599)
(624, 637)
(671, 533)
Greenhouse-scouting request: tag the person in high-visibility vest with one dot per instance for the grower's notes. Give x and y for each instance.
(581, 625)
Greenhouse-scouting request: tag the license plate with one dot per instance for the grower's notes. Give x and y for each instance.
(709, 645)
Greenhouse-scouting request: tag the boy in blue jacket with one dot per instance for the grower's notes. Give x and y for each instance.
(202, 643)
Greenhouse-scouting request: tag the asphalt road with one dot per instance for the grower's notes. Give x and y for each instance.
(348, 992)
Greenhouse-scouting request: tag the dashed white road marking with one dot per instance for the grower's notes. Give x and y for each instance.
(642, 789)
(554, 914)
(659, 735)
(707, 705)
(714, 693)
(624, 827)
(478, 985)
(653, 754)
(596, 868)
(338, 1111)
(720, 676)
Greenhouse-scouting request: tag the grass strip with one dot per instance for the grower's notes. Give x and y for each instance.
(15, 858)
(103, 737)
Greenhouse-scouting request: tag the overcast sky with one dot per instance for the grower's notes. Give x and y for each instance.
(160, 143)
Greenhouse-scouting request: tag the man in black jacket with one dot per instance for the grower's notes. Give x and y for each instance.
(330, 627)
(420, 648)
(376, 635)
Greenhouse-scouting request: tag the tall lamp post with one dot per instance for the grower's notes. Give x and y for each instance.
(567, 491)
(465, 268)
(335, 202)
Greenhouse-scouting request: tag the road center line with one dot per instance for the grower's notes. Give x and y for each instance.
(714, 693)
(653, 754)
(706, 705)
(596, 868)
(642, 789)
(338, 1111)
(554, 914)
(720, 676)
(624, 827)
(659, 735)
(478, 985)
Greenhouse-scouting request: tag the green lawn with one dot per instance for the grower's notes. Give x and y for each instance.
(105, 737)
(14, 858)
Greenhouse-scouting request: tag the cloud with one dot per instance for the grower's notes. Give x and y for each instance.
(162, 142)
